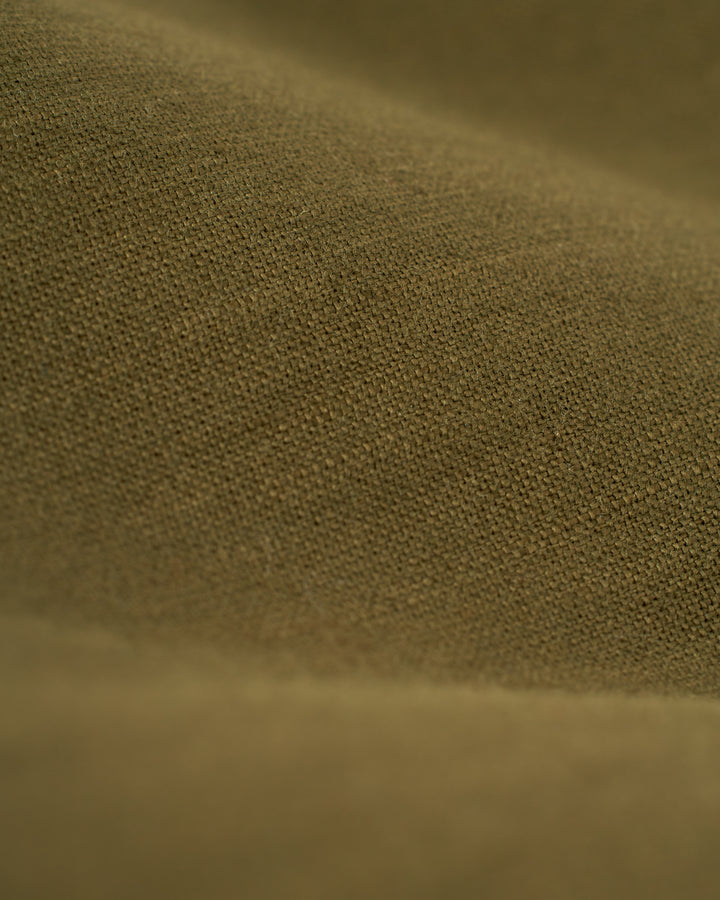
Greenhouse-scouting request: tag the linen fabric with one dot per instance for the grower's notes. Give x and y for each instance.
(360, 444)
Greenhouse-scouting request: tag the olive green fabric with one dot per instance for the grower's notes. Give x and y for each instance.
(360, 441)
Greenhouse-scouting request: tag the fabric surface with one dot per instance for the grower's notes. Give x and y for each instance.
(360, 444)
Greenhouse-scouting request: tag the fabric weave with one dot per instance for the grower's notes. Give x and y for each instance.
(360, 450)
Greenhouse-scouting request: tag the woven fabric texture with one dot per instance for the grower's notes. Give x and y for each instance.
(360, 444)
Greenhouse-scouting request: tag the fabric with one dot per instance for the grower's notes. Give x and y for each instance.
(360, 444)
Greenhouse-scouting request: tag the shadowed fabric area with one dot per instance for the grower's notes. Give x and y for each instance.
(360, 444)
